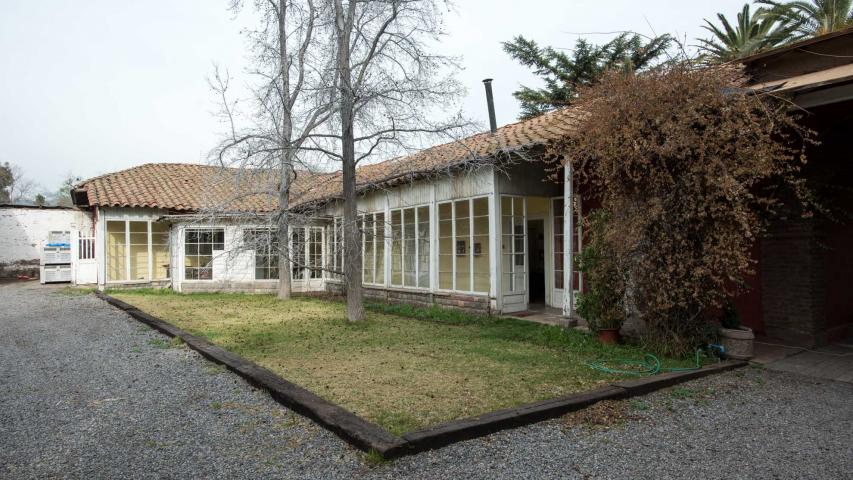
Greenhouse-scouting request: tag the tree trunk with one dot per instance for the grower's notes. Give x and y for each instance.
(285, 159)
(284, 286)
(352, 232)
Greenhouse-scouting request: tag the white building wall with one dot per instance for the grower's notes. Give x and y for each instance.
(23, 229)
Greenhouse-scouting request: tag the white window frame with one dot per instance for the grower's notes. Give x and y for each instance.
(305, 270)
(454, 238)
(127, 249)
(212, 252)
(336, 249)
(402, 239)
(578, 223)
(375, 242)
(254, 249)
(513, 252)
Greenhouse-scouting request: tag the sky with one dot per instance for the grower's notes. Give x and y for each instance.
(97, 86)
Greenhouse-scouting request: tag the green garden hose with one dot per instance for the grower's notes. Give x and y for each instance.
(649, 365)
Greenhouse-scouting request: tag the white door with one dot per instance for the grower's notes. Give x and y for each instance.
(514, 254)
(85, 265)
(557, 249)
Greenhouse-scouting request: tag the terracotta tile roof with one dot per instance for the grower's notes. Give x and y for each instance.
(191, 187)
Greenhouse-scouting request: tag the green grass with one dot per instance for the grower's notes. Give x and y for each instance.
(403, 367)
(76, 291)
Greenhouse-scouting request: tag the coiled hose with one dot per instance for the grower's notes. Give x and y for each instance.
(649, 365)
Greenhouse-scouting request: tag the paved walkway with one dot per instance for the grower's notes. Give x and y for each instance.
(832, 362)
(87, 392)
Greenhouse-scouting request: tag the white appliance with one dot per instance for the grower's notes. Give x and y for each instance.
(55, 265)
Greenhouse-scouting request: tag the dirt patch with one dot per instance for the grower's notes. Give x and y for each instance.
(606, 413)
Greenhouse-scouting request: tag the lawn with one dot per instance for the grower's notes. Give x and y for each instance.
(402, 368)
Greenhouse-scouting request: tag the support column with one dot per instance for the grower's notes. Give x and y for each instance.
(568, 250)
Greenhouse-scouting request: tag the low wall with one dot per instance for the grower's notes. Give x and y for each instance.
(23, 228)
(228, 286)
(135, 285)
(470, 303)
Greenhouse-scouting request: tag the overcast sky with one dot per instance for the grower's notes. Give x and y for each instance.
(95, 86)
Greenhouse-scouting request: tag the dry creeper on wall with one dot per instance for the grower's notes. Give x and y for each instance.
(688, 163)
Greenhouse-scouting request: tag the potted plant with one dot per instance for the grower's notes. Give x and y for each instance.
(734, 337)
(601, 305)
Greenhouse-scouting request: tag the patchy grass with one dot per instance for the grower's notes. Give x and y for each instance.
(403, 367)
(76, 291)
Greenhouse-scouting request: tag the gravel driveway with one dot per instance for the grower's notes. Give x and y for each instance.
(87, 392)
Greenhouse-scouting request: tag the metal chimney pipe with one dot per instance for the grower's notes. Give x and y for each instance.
(490, 100)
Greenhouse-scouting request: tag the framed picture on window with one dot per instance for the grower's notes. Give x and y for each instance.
(478, 249)
(461, 247)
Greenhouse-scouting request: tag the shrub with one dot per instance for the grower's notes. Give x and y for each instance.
(687, 162)
(601, 304)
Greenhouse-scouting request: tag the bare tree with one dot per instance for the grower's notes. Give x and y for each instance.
(388, 85)
(14, 186)
(290, 99)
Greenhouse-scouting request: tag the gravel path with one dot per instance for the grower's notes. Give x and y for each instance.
(87, 392)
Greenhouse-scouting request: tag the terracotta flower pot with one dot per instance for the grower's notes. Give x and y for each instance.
(737, 342)
(608, 335)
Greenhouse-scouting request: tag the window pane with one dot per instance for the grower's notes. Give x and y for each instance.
(297, 254)
(116, 253)
(481, 207)
(480, 251)
(409, 248)
(367, 240)
(380, 248)
(139, 262)
(423, 247)
(506, 205)
(315, 252)
(160, 254)
(396, 248)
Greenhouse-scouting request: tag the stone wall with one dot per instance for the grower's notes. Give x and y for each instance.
(469, 303)
(229, 286)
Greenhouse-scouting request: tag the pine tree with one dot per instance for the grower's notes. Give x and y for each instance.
(564, 73)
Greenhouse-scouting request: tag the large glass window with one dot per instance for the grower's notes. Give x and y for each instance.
(513, 244)
(335, 260)
(410, 247)
(137, 250)
(306, 253)
(422, 246)
(199, 247)
(373, 247)
(116, 250)
(397, 247)
(315, 252)
(463, 245)
(160, 249)
(264, 242)
(297, 253)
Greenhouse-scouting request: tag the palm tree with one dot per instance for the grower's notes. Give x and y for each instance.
(813, 17)
(751, 34)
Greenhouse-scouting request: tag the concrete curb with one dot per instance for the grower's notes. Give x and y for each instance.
(368, 436)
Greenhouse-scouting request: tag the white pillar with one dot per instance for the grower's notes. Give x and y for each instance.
(495, 254)
(386, 252)
(433, 240)
(568, 239)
